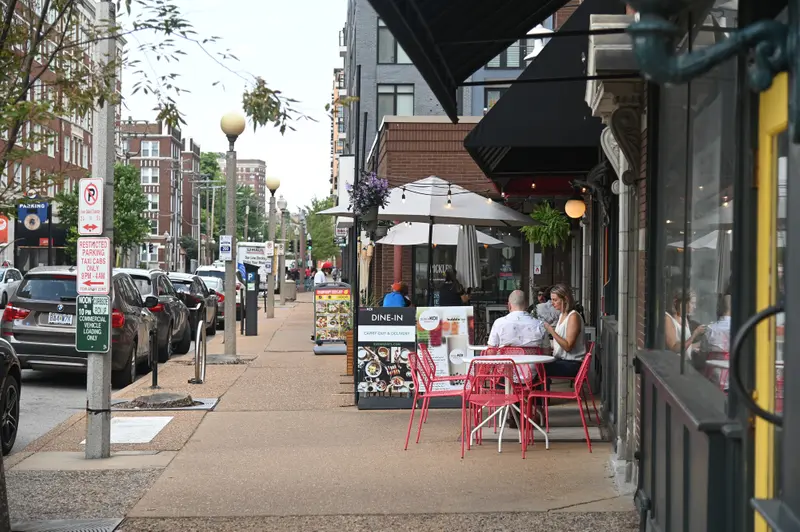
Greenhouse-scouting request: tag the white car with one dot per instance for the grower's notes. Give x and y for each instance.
(10, 278)
(219, 273)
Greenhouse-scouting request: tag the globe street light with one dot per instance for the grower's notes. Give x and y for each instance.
(282, 204)
(232, 125)
(273, 183)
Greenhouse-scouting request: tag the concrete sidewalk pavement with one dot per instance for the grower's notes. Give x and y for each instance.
(282, 450)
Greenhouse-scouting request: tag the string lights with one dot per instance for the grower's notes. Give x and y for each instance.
(449, 198)
(404, 195)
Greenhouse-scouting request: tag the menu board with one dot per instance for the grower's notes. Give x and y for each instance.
(385, 343)
(332, 316)
(447, 332)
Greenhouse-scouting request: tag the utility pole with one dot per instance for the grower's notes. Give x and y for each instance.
(98, 375)
(282, 259)
(232, 125)
(246, 218)
(209, 231)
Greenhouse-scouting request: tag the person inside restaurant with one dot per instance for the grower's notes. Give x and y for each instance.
(451, 293)
(678, 334)
(569, 346)
(397, 297)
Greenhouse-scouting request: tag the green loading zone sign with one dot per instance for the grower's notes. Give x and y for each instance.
(93, 332)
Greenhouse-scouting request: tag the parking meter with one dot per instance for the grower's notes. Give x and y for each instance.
(251, 295)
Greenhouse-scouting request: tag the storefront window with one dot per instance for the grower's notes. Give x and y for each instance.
(697, 154)
(501, 267)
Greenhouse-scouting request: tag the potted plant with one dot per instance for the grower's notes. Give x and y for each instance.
(368, 196)
(553, 227)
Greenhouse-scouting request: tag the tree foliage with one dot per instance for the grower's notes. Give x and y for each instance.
(552, 229)
(51, 70)
(131, 229)
(321, 229)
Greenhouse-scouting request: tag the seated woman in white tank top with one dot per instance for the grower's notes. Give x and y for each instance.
(568, 335)
(677, 326)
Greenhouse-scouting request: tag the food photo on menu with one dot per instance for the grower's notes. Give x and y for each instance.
(332, 314)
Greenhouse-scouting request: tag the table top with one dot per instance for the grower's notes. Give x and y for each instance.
(518, 359)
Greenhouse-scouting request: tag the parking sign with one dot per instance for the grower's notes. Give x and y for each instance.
(94, 266)
(226, 247)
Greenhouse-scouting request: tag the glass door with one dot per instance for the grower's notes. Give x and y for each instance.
(773, 169)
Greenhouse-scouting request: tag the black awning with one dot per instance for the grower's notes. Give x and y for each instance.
(545, 126)
(448, 40)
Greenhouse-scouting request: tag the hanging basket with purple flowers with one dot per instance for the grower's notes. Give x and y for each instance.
(371, 193)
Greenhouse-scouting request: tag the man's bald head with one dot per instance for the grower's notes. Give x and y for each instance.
(517, 301)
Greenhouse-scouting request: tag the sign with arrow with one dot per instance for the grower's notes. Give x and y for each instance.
(94, 266)
(90, 206)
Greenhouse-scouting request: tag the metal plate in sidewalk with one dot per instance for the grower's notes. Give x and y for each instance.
(93, 332)
(67, 525)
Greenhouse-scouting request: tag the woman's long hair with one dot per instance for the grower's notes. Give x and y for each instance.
(565, 294)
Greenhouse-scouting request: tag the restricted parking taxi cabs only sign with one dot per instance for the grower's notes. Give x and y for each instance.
(94, 266)
(93, 331)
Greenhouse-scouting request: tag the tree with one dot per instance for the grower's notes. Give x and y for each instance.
(189, 245)
(321, 229)
(131, 229)
(45, 55)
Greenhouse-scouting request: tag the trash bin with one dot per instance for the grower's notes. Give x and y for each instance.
(291, 290)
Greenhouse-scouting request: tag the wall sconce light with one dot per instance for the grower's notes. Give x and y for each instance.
(575, 208)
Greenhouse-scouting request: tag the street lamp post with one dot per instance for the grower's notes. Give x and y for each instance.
(272, 184)
(232, 125)
(282, 204)
(168, 250)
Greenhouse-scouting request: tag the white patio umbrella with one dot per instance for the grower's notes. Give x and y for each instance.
(435, 201)
(416, 234)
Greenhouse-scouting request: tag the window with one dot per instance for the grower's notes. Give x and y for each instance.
(146, 256)
(149, 175)
(51, 144)
(67, 146)
(389, 52)
(340, 124)
(339, 145)
(490, 96)
(36, 141)
(513, 56)
(395, 100)
(85, 156)
(149, 148)
(154, 226)
(696, 216)
(152, 202)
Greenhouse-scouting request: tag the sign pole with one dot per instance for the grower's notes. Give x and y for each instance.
(98, 381)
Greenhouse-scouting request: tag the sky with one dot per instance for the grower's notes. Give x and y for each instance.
(292, 45)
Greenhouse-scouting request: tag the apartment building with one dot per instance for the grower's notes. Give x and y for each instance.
(338, 132)
(157, 150)
(251, 173)
(60, 147)
(191, 172)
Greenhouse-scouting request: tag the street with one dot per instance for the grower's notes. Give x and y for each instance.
(47, 399)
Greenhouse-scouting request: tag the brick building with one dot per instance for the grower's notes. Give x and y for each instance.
(251, 173)
(156, 149)
(338, 132)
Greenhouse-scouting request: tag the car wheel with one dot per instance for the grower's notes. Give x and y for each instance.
(165, 352)
(186, 342)
(9, 422)
(126, 375)
(212, 329)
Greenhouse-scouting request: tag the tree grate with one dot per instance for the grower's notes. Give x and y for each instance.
(67, 525)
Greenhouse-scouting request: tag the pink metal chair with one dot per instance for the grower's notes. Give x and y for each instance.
(490, 384)
(575, 394)
(589, 351)
(423, 374)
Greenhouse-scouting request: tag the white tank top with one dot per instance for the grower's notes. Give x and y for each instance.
(578, 350)
(686, 333)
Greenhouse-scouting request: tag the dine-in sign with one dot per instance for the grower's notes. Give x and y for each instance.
(94, 265)
(90, 206)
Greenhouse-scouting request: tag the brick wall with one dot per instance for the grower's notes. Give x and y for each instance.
(409, 151)
(564, 13)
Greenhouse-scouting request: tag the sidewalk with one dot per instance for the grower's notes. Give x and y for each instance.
(284, 449)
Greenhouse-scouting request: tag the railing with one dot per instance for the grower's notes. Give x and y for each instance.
(607, 371)
(684, 480)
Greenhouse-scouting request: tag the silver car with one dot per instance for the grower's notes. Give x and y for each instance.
(217, 286)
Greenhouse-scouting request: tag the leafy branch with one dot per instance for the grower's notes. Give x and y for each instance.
(552, 229)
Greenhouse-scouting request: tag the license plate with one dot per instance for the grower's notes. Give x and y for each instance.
(59, 319)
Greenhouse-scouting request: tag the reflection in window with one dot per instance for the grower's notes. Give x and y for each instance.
(696, 181)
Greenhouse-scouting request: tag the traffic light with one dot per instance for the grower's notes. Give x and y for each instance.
(291, 246)
(150, 247)
(308, 243)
